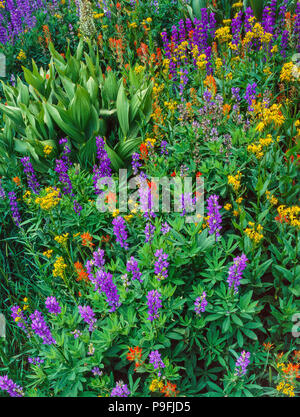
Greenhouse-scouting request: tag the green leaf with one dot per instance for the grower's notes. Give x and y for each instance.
(123, 110)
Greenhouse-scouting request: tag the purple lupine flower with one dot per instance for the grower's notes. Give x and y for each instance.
(105, 164)
(248, 22)
(77, 207)
(52, 305)
(153, 303)
(2, 192)
(14, 208)
(181, 30)
(296, 31)
(132, 266)
(36, 361)
(161, 264)
(120, 390)
(282, 12)
(76, 333)
(163, 147)
(149, 232)
(120, 231)
(98, 258)
(31, 178)
(136, 164)
(104, 168)
(96, 371)
(235, 93)
(187, 203)
(250, 95)
(207, 95)
(62, 167)
(236, 271)
(12, 389)
(284, 43)
(103, 282)
(242, 363)
(39, 325)
(111, 291)
(215, 219)
(200, 304)
(183, 81)
(88, 316)
(155, 359)
(18, 317)
(165, 228)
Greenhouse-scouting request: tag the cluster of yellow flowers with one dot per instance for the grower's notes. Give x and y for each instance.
(180, 53)
(138, 69)
(48, 253)
(219, 64)
(235, 181)
(50, 200)
(289, 72)
(2, 4)
(62, 239)
(156, 385)
(271, 198)
(59, 267)
(223, 34)
(297, 126)
(25, 306)
(268, 115)
(98, 15)
(201, 61)
(148, 20)
(290, 215)
(286, 389)
(21, 56)
(171, 105)
(132, 25)
(237, 5)
(157, 90)
(258, 148)
(48, 149)
(228, 206)
(253, 233)
(257, 32)
(27, 197)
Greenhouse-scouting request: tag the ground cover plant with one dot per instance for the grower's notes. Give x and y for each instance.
(103, 292)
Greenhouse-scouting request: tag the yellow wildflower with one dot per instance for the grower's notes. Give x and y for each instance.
(253, 233)
(21, 56)
(59, 267)
(62, 239)
(48, 253)
(235, 181)
(223, 34)
(50, 200)
(156, 385)
(48, 149)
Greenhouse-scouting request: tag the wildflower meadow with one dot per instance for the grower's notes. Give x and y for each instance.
(149, 198)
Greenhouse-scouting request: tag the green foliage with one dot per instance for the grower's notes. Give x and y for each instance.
(73, 98)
